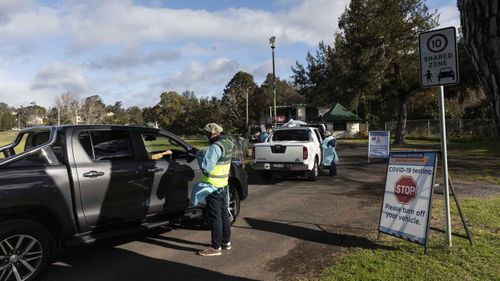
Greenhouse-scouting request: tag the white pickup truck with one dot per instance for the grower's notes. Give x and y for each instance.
(296, 149)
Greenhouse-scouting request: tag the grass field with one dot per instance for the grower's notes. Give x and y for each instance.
(467, 160)
(7, 137)
(402, 260)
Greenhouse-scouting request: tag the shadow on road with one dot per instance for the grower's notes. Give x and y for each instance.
(117, 264)
(312, 235)
(107, 260)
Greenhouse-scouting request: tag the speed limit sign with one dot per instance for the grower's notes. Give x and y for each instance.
(438, 57)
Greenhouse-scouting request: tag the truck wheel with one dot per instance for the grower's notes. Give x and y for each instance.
(266, 175)
(313, 174)
(25, 250)
(234, 204)
(234, 208)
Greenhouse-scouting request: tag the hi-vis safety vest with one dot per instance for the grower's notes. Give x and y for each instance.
(219, 176)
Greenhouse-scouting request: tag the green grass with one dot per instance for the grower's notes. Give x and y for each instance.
(459, 148)
(200, 142)
(406, 261)
(476, 161)
(7, 137)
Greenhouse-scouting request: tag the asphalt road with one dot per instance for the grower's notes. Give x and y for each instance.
(287, 229)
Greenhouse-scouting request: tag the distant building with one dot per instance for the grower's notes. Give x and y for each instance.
(342, 122)
(302, 112)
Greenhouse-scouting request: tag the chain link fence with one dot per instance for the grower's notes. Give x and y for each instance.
(455, 128)
(241, 146)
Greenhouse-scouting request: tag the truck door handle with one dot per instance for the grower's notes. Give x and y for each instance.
(93, 174)
(155, 170)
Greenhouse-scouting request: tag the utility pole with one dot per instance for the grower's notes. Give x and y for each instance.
(58, 116)
(19, 118)
(272, 40)
(247, 115)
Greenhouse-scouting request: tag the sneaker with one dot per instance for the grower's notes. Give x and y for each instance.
(210, 252)
(226, 246)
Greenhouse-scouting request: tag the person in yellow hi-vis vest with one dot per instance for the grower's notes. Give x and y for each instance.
(215, 165)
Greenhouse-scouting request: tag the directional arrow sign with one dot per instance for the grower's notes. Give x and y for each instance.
(438, 57)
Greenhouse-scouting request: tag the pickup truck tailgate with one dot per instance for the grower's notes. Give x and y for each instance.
(279, 153)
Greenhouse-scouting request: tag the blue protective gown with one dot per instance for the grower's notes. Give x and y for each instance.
(263, 136)
(329, 153)
(207, 161)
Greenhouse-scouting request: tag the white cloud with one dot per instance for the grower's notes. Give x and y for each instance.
(24, 22)
(16, 92)
(203, 78)
(261, 70)
(60, 77)
(134, 57)
(122, 22)
(449, 16)
(10, 7)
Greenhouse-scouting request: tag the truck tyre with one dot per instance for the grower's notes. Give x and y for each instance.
(25, 252)
(266, 175)
(234, 203)
(313, 174)
(234, 207)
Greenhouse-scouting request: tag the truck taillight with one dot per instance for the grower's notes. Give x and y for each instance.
(253, 153)
(304, 153)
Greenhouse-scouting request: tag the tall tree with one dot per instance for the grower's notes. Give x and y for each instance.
(381, 39)
(169, 109)
(93, 110)
(208, 112)
(480, 21)
(286, 94)
(116, 114)
(69, 107)
(187, 122)
(151, 115)
(7, 120)
(135, 116)
(234, 101)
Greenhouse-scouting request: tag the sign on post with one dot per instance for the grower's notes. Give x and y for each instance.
(438, 57)
(379, 144)
(408, 195)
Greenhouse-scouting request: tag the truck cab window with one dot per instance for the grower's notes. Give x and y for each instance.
(107, 145)
(291, 135)
(156, 143)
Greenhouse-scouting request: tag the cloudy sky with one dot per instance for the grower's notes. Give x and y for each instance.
(132, 51)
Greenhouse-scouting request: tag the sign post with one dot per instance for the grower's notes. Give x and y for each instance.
(439, 67)
(406, 207)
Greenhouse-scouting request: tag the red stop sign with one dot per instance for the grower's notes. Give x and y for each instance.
(405, 190)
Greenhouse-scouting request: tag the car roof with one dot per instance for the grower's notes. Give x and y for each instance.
(293, 128)
(90, 127)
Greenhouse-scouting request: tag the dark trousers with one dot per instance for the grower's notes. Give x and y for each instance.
(333, 169)
(218, 215)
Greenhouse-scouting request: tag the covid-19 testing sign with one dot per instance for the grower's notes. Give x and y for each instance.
(379, 143)
(408, 195)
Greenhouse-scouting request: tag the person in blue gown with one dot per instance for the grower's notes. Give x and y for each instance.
(330, 157)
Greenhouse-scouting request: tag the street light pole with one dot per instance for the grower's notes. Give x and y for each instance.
(272, 40)
(19, 117)
(247, 115)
